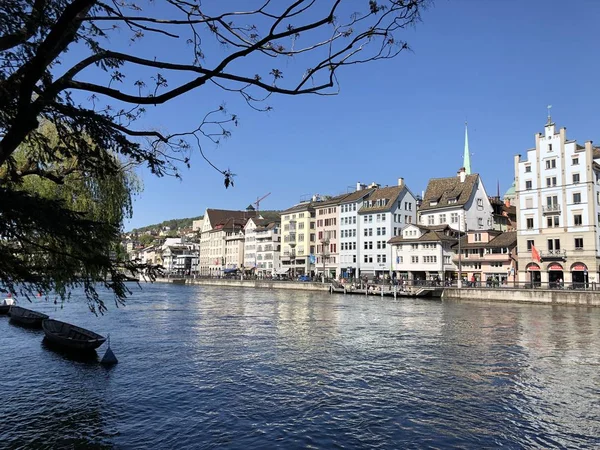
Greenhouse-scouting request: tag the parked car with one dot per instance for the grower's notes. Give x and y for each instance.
(303, 278)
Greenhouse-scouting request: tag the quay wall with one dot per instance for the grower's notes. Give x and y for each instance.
(543, 296)
(260, 284)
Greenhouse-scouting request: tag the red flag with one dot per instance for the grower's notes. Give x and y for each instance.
(535, 255)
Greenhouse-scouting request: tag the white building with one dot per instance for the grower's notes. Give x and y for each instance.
(349, 227)
(268, 248)
(425, 253)
(212, 238)
(382, 216)
(460, 202)
(558, 212)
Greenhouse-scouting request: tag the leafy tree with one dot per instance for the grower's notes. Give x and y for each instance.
(146, 239)
(94, 102)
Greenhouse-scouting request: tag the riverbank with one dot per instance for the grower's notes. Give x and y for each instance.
(541, 296)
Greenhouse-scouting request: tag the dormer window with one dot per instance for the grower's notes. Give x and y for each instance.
(433, 203)
(452, 200)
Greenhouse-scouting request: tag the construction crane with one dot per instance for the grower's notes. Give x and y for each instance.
(258, 200)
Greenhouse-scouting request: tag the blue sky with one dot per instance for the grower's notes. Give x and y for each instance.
(496, 64)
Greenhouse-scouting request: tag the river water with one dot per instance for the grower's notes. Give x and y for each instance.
(205, 367)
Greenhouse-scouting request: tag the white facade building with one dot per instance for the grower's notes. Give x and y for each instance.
(349, 227)
(268, 249)
(382, 216)
(558, 206)
(460, 202)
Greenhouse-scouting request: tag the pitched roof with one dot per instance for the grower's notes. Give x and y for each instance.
(430, 234)
(357, 195)
(443, 190)
(220, 216)
(387, 194)
(504, 239)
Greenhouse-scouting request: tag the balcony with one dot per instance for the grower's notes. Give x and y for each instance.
(551, 209)
(553, 255)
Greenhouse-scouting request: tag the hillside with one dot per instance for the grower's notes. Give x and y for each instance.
(177, 224)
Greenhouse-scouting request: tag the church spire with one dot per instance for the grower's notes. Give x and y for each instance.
(467, 155)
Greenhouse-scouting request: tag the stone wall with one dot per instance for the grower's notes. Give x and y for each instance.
(261, 284)
(546, 296)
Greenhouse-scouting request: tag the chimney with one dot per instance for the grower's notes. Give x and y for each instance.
(359, 186)
(400, 181)
(589, 149)
(462, 174)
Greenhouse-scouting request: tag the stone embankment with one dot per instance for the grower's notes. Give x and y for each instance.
(261, 284)
(543, 296)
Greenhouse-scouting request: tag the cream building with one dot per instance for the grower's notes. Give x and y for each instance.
(558, 210)
(299, 238)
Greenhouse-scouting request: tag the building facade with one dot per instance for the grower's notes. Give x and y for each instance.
(557, 200)
(425, 253)
(268, 249)
(299, 238)
(382, 216)
(349, 250)
(460, 202)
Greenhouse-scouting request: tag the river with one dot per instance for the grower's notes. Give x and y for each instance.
(205, 367)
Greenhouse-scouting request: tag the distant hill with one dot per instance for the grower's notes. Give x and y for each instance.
(177, 224)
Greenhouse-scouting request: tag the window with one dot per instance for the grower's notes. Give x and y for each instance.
(576, 161)
(553, 221)
(550, 181)
(480, 222)
(530, 223)
(414, 259)
(477, 237)
(577, 219)
(442, 218)
(578, 243)
(553, 244)
(454, 218)
(528, 168)
(552, 202)
(528, 185)
(576, 197)
(575, 178)
(480, 202)
(551, 164)
(529, 244)
(528, 202)
(549, 147)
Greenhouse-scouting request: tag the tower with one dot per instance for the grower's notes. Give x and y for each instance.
(466, 155)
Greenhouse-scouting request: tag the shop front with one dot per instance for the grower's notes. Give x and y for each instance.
(534, 274)
(579, 275)
(556, 277)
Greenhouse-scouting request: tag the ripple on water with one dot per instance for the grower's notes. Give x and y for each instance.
(207, 367)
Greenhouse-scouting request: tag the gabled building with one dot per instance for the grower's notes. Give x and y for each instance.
(558, 210)
(487, 257)
(349, 225)
(299, 238)
(212, 239)
(328, 231)
(460, 202)
(384, 212)
(268, 248)
(424, 253)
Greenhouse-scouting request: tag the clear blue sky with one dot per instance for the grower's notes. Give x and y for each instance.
(496, 64)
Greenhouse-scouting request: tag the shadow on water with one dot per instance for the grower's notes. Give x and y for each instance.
(86, 357)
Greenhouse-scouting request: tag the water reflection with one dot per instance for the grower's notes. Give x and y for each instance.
(240, 368)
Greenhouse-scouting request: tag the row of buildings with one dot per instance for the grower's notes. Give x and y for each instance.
(545, 229)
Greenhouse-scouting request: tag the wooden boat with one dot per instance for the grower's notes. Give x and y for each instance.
(26, 317)
(71, 337)
(6, 304)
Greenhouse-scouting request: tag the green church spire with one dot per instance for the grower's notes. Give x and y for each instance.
(467, 155)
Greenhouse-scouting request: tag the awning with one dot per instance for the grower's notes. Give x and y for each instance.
(579, 267)
(555, 266)
(229, 270)
(532, 266)
(282, 271)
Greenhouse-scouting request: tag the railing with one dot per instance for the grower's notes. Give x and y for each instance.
(551, 208)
